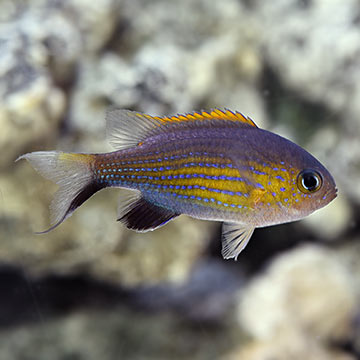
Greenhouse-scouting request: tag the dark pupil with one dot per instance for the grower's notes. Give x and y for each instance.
(310, 181)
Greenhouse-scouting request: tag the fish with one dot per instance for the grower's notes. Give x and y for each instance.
(212, 165)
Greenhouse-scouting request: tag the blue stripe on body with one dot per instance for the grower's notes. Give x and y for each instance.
(119, 180)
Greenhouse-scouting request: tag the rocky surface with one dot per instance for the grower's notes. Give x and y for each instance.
(300, 306)
(129, 335)
(308, 291)
(291, 65)
(288, 347)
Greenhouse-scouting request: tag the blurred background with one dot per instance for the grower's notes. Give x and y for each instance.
(92, 289)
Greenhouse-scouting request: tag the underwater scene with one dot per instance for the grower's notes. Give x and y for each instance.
(230, 128)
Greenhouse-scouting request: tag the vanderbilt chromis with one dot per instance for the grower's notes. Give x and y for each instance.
(215, 165)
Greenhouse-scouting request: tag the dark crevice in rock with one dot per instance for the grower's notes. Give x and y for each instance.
(287, 107)
(205, 298)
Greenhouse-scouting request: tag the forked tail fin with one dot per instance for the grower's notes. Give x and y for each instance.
(72, 172)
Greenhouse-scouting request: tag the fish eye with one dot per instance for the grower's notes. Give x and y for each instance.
(309, 181)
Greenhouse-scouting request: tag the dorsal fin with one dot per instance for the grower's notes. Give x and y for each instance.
(125, 128)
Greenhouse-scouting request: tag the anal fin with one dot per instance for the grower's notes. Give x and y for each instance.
(139, 214)
(234, 239)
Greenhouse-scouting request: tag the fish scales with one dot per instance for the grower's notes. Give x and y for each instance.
(194, 179)
(215, 165)
(196, 176)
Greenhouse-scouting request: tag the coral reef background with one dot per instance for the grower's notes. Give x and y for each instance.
(92, 289)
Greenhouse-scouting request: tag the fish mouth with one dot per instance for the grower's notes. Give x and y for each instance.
(335, 192)
(331, 194)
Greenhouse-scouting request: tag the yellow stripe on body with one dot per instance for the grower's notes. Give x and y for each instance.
(214, 192)
(218, 189)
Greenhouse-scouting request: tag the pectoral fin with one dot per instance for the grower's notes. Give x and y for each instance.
(234, 239)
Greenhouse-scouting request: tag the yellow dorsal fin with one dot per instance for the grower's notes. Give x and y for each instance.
(127, 128)
(215, 114)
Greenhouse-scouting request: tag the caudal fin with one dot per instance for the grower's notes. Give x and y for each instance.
(72, 172)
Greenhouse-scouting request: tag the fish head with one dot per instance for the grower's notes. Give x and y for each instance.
(314, 186)
(290, 182)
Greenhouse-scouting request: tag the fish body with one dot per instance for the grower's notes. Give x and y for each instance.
(214, 165)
